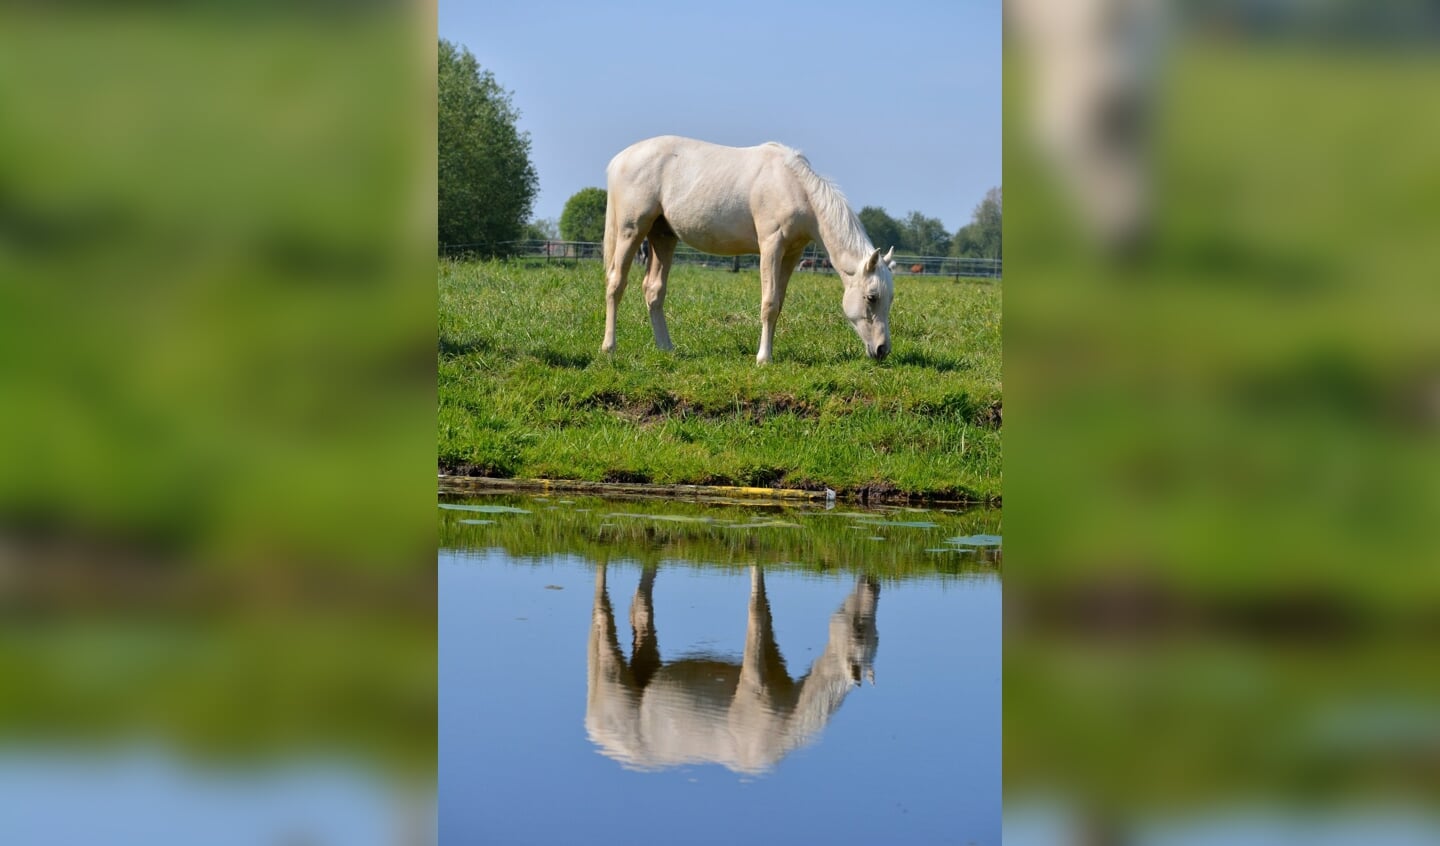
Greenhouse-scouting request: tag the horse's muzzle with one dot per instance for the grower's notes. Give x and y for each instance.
(880, 352)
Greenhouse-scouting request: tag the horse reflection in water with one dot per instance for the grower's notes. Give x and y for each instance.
(649, 714)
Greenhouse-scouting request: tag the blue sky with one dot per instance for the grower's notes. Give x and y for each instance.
(897, 102)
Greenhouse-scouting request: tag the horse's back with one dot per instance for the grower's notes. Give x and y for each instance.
(712, 196)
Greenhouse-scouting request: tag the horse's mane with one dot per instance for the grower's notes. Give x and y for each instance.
(832, 210)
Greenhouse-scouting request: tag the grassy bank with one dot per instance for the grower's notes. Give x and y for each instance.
(524, 391)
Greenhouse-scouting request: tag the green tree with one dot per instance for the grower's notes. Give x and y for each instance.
(981, 237)
(486, 181)
(584, 216)
(925, 235)
(884, 230)
(542, 229)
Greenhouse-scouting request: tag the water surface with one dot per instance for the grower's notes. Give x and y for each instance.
(695, 674)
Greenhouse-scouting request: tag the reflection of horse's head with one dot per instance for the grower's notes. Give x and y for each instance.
(853, 639)
(650, 714)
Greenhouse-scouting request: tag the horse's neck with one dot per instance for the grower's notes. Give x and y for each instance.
(821, 692)
(838, 228)
(844, 240)
(829, 680)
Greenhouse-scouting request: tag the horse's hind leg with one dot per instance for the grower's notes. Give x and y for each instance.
(625, 239)
(662, 255)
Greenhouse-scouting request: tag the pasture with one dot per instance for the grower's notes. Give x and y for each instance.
(524, 390)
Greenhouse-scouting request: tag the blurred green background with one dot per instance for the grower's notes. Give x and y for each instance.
(1222, 467)
(217, 350)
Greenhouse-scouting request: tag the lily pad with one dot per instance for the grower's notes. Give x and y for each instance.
(771, 524)
(975, 540)
(484, 509)
(671, 518)
(913, 524)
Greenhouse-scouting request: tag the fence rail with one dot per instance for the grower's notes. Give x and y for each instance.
(814, 260)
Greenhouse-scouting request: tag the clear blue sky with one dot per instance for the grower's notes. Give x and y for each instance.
(897, 102)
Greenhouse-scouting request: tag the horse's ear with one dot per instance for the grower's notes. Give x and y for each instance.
(889, 254)
(869, 266)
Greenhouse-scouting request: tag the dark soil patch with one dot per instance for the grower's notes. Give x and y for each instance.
(654, 409)
(626, 476)
(990, 418)
(479, 471)
(879, 492)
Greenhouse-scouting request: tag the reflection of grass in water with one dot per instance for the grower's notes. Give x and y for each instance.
(650, 532)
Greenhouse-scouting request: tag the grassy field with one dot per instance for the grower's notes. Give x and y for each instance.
(525, 392)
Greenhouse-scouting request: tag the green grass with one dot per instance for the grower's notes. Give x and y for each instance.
(525, 392)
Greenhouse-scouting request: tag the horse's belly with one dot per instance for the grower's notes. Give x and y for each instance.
(717, 236)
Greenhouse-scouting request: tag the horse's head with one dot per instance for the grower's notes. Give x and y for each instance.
(869, 290)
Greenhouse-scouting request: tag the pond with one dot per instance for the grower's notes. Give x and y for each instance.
(689, 673)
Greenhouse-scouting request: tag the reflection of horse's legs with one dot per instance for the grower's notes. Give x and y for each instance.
(605, 659)
(762, 667)
(662, 254)
(645, 647)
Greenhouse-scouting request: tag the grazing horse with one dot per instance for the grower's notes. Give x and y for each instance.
(650, 714)
(733, 201)
(917, 268)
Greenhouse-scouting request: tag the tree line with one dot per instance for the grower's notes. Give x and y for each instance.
(487, 183)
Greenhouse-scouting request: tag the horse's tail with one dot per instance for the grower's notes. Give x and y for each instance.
(610, 227)
(612, 223)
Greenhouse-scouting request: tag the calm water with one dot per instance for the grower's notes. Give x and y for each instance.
(676, 673)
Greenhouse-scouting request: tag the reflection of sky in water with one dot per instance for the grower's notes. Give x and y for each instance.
(913, 759)
(147, 798)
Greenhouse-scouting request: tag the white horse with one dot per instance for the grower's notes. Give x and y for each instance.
(733, 201)
(648, 714)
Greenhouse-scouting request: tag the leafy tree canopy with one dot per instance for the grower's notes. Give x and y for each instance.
(981, 237)
(925, 235)
(884, 230)
(487, 183)
(542, 229)
(584, 216)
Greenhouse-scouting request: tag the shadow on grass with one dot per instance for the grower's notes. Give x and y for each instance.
(574, 361)
(940, 364)
(450, 348)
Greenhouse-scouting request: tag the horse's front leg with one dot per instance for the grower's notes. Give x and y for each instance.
(777, 262)
(772, 297)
